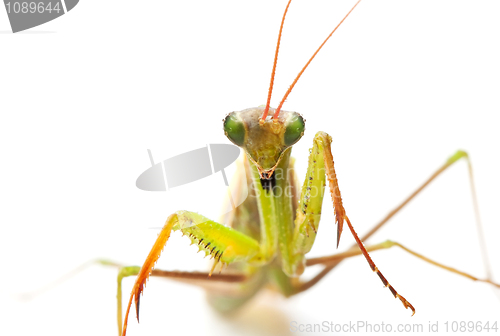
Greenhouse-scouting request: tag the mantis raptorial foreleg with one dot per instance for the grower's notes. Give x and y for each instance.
(308, 213)
(309, 210)
(222, 243)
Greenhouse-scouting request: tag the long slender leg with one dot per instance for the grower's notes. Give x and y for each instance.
(122, 273)
(386, 245)
(65, 277)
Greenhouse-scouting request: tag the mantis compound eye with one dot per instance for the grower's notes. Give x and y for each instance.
(295, 126)
(234, 129)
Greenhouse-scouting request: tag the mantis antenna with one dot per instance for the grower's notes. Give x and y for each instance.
(264, 115)
(276, 113)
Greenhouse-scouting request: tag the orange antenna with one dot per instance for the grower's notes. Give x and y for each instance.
(264, 115)
(276, 113)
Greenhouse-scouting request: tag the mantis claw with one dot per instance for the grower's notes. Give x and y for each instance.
(137, 302)
(406, 304)
(339, 232)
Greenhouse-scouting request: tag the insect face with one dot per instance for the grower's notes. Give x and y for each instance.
(264, 141)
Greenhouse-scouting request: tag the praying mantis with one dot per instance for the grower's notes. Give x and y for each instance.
(267, 135)
(400, 87)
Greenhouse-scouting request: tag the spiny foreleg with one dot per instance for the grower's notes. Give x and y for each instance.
(308, 214)
(223, 244)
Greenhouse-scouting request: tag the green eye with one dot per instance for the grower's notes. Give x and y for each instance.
(294, 129)
(234, 129)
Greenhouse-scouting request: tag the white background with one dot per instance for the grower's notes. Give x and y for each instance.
(400, 87)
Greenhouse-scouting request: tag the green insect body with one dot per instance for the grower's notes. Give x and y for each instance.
(281, 233)
(274, 228)
(287, 228)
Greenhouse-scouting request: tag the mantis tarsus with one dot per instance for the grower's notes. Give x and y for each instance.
(267, 143)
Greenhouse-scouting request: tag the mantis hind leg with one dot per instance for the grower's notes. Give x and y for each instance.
(336, 258)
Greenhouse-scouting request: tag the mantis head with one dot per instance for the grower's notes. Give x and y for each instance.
(266, 133)
(264, 140)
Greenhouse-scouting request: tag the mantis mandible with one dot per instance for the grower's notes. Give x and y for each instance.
(282, 219)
